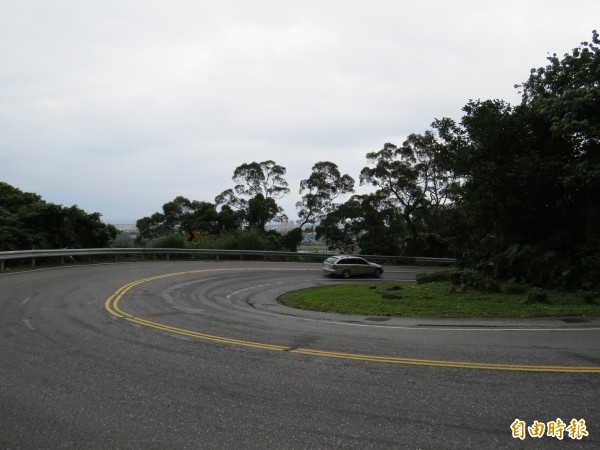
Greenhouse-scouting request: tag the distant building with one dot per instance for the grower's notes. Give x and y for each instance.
(282, 227)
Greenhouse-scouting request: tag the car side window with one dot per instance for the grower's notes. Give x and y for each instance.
(344, 261)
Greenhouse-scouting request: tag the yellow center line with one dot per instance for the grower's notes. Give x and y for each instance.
(112, 306)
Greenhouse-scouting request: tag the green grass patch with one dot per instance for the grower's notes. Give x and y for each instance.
(434, 300)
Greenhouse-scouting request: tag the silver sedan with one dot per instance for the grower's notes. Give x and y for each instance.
(348, 266)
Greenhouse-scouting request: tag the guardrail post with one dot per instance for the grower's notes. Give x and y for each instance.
(2, 266)
(32, 262)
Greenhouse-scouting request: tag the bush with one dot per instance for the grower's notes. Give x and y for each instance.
(432, 277)
(589, 297)
(469, 277)
(534, 265)
(170, 241)
(589, 256)
(514, 288)
(240, 240)
(291, 240)
(537, 295)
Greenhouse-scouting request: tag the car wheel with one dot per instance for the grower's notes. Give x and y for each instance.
(346, 274)
(377, 273)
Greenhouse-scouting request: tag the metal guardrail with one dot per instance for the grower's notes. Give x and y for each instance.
(32, 255)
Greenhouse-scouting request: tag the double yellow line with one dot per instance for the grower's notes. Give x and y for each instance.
(112, 306)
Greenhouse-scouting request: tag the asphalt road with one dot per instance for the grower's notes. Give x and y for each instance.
(200, 355)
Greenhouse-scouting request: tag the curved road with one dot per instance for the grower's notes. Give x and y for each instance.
(200, 355)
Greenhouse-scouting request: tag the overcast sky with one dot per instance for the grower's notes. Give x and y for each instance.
(120, 106)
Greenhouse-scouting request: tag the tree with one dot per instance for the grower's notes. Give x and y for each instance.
(564, 97)
(181, 215)
(324, 185)
(229, 219)
(175, 213)
(566, 93)
(509, 168)
(264, 178)
(364, 222)
(260, 211)
(265, 183)
(151, 227)
(169, 221)
(85, 230)
(494, 154)
(27, 221)
(528, 207)
(291, 240)
(410, 178)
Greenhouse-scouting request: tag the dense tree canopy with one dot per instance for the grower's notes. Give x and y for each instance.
(365, 223)
(181, 215)
(528, 207)
(564, 98)
(27, 221)
(410, 178)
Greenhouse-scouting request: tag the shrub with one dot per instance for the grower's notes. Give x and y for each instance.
(291, 240)
(432, 277)
(468, 277)
(241, 240)
(514, 288)
(537, 295)
(590, 265)
(170, 241)
(589, 297)
(535, 265)
(250, 240)
(456, 277)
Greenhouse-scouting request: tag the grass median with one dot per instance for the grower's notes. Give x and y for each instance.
(436, 299)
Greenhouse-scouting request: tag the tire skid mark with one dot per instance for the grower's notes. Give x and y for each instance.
(112, 307)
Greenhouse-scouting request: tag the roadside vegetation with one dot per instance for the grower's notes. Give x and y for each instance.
(232, 240)
(506, 190)
(509, 191)
(444, 294)
(28, 222)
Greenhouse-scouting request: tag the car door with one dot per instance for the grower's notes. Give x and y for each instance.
(360, 267)
(343, 264)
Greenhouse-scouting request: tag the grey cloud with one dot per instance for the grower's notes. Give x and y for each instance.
(119, 106)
